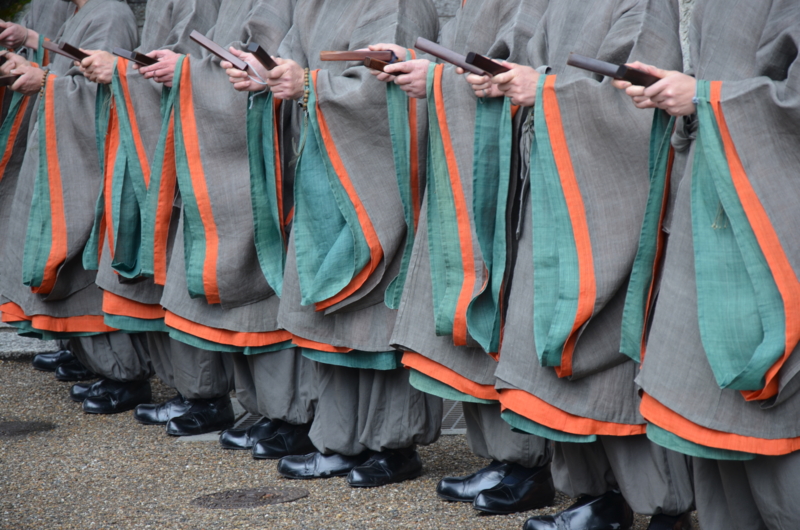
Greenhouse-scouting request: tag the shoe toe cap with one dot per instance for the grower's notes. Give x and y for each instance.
(545, 522)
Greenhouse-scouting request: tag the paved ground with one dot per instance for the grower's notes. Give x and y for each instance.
(109, 472)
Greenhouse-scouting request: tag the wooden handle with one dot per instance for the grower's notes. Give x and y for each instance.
(218, 50)
(446, 55)
(360, 55)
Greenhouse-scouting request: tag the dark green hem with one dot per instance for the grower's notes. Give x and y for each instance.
(429, 385)
(389, 360)
(664, 438)
(524, 425)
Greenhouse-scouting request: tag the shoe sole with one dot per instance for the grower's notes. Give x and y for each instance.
(453, 499)
(549, 503)
(235, 447)
(149, 422)
(216, 428)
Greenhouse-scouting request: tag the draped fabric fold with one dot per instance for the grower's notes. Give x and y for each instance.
(642, 284)
(266, 187)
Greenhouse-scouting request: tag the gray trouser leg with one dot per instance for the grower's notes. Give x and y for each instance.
(651, 478)
(490, 437)
(201, 374)
(279, 385)
(372, 409)
(159, 345)
(117, 356)
(758, 494)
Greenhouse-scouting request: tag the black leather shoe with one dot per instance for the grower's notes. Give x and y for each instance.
(288, 440)
(671, 522)
(161, 413)
(80, 391)
(204, 415)
(523, 489)
(317, 465)
(73, 371)
(245, 438)
(48, 362)
(465, 489)
(118, 397)
(386, 467)
(606, 512)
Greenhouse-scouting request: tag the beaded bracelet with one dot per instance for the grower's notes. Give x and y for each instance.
(306, 88)
(46, 71)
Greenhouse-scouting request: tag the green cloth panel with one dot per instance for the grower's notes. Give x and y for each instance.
(194, 235)
(330, 246)
(150, 209)
(204, 344)
(389, 360)
(434, 387)
(268, 226)
(659, 436)
(399, 128)
(491, 173)
(740, 310)
(641, 279)
(134, 325)
(556, 278)
(447, 274)
(524, 425)
(38, 236)
(102, 112)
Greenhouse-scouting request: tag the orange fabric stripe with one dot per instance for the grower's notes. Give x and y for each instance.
(319, 346)
(117, 305)
(289, 217)
(462, 217)
(770, 244)
(240, 339)
(413, 120)
(195, 160)
(447, 376)
(376, 251)
(661, 240)
(544, 413)
(80, 324)
(112, 148)
(278, 166)
(577, 213)
(667, 419)
(166, 200)
(58, 248)
(122, 69)
(12, 137)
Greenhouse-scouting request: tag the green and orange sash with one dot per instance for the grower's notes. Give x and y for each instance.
(266, 188)
(564, 283)
(641, 286)
(403, 129)
(336, 243)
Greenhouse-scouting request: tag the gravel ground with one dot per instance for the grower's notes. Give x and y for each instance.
(98, 472)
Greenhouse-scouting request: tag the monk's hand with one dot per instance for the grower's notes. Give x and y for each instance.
(31, 79)
(674, 93)
(518, 84)
(164, 70)
(482, 85)
(13, 36)
(99, 66)
(287, 80)
(411, 77)
(398, 50)
(244, 81)
(12, 61)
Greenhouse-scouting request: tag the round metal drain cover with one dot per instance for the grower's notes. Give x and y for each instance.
(250, 498)
(21, 428)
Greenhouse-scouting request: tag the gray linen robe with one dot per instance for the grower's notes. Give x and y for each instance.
(500, 30)
(100, 24)
(45, 17)
(194, 372)
(744, 45)
(611, 173)
(359, 409)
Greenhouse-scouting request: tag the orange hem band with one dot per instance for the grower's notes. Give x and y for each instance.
(241, 339)
(447, 376)
(544, 413)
